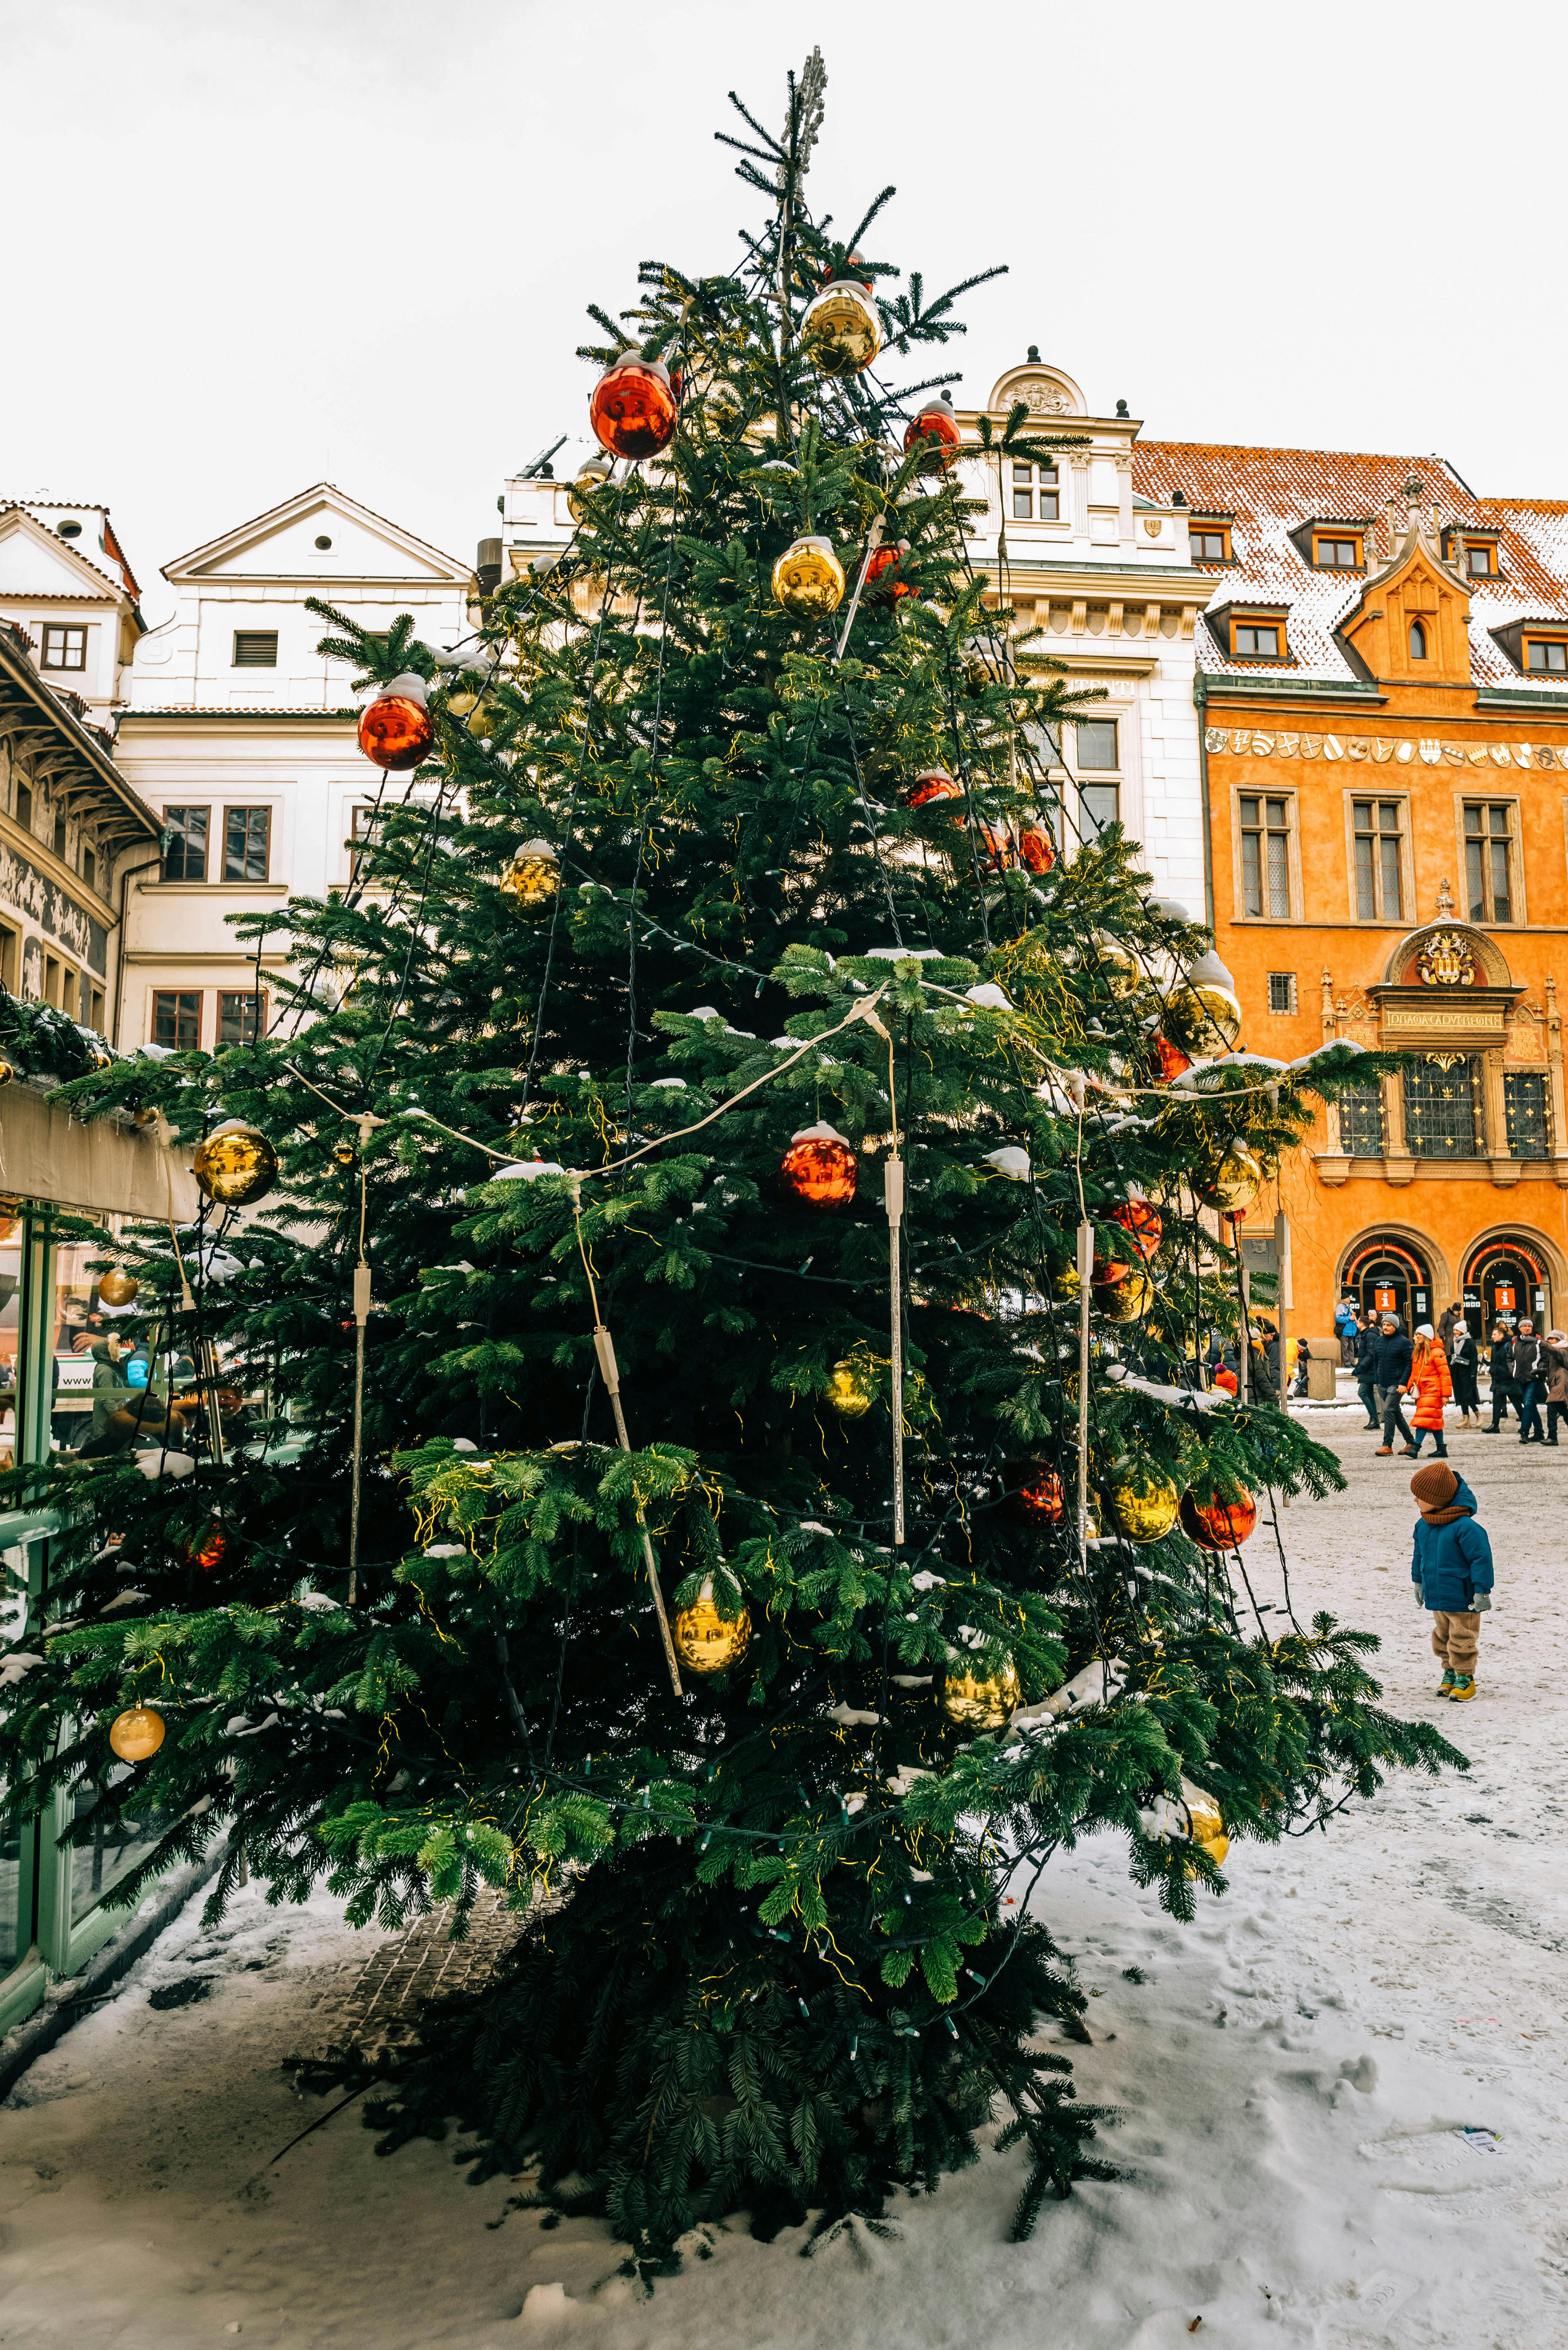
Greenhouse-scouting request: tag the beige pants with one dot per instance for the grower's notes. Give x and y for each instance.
(1455, 1639)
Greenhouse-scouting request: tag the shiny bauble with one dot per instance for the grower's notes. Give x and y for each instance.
(118, 1287)
(934, 432)
(933, 784)
(1218, 1526)
(396, 731)
(1119, 967)
(343, 1154)
(819, 1168)
(137, 1733)
(978, 1700)
(1144, 1503)
(236, 1165)
(841, 332)
(1127, 1299)
(484, 719)
(1230, 1179)
(10, 1214)
(633, 408)
(534, 874)
(808, 579)
(1143, 1221)
(593, 476)
(1203, 1020)
(1170, 1061)
(7, 1073)
(98, 1058)
(1206, 1822)
(881, 561)
(724, 411)
(1036, 847)
(707, 1642)
(1064, 1284)
(851, 1390)
(1039, 1496)
(145, 1116)
(211, 1548)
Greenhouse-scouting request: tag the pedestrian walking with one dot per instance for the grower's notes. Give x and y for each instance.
(1499, 1363)
(1451, 1570)
(1303, 1379)
(1345, 1325)
(1448, 1322)
(1391, 1354)
(1464, 1362)
(1556, 1381)
(1432, 1388)
(1530, 1379)
(1365, 1383)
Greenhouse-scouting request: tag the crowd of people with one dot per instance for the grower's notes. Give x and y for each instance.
(1526, 1374)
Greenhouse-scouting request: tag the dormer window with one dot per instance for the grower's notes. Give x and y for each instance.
(1546, 656)
(1479, 560)
(1537, 644)
(1418, 640)
(1333, 550)
(1209, 541)
(1257, 636)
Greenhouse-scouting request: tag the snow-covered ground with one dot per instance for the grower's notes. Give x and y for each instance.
(1341, 2087)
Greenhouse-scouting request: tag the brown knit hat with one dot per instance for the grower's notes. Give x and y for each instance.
(1435, 1485)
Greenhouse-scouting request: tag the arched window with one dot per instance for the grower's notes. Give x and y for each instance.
(1418, 640)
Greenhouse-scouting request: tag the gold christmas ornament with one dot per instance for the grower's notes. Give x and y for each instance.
(841, 332)
(99, 1058)
(534, 874)
(808, 579)
(1231, 1180)
(1119, 967)
(1127, 1300)
(1206, 1822)
(1065, 1283)
(981, 1700)
(1203, 1020)
(7, 1073)
(485, 718)
(343, 1154)
(118, 1287)
(1144, 1503)
(707, 1642)
(851, 1390)
(236, 1165)
(137, 1733)
(594, 476)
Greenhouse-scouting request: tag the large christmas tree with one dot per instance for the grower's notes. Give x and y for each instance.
(730, 909)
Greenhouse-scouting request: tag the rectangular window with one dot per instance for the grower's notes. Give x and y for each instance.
(7, 957)
(247, 833)
(1333, 553)
(240, 1018)
(1546, 656)
(59, 840)
(52, 979)
(64, 647)
(1361, 1122)
(1255, 640)
(1036, 493)
(1528, 1123)
(1097, 745)
(25, 806)
(255, 648)
(89, 867)
(185, 844)
(1098, 753)
(1266, 856)
(95, 1011)
(1282, 991)
(1480, 559)
(1209, 542)
(1489, 860)
(1379, 842)
(177, 1020)
(1443, 1108)
(364, 831)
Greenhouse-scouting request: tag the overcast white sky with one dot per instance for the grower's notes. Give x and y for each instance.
(253, 245)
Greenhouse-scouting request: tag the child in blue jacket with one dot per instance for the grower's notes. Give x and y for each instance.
(1451, 1571)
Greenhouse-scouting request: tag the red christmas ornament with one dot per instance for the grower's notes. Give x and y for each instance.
(932, 783)
(1137, 1217)
(934, 430)
(820, 1168)
(1036, 849)
(998, 843)
(1169, 1060)
(395, 731)
(632, 407)
(1039, 1496)
(883, 559)
(208, 1550)
(1218, 1526)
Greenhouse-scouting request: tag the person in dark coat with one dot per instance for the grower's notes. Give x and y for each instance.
(1530, 1379)
(1499, 1362)
(1463, 1365)
(1365, 1345)
(1556, 1381)
(1452, 1572)
(1391, 1355)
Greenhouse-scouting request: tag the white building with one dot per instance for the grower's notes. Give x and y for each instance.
(242, 735)
(66, 585)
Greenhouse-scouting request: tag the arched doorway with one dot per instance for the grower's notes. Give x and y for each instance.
(1509, 1281)
(1385, 1276)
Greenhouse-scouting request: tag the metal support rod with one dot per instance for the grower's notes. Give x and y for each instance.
(893, 1193)
(873, 541)
(361, 1315)
(1085, 1272)
(604, 1347)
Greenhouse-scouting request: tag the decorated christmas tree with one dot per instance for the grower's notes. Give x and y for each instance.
(731, 1463)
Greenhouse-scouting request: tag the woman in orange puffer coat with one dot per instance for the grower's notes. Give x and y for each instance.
(1432, 1386)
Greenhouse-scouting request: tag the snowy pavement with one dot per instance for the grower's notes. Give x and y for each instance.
(1341, 2087)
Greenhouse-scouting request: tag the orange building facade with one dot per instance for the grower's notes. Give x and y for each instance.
(1383, 708)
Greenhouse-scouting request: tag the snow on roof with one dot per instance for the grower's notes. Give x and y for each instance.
(1268, 493)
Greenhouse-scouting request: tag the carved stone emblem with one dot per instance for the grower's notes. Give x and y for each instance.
(1043, 397)
(1446, 960)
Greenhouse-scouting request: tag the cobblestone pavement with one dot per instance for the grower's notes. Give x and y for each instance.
(371, 1997)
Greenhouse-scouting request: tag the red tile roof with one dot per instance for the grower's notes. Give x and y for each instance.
(1272, 492)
